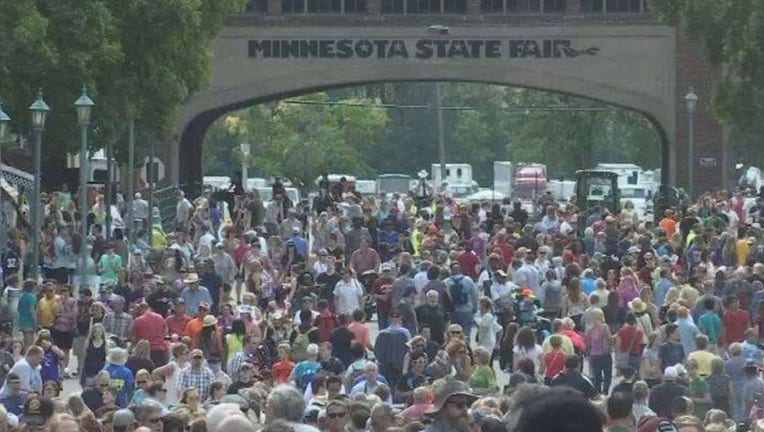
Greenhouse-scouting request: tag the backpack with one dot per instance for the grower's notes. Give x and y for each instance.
(459, 295)
(300, 345)
(553, 298)
(307, 378)
(526, 312)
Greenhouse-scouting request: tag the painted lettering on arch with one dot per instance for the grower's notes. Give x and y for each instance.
(421, 49)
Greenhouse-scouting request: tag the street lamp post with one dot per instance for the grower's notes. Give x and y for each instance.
(691, 100)
(244, 147)
(5, 120)
(84, 108)
(39, 110)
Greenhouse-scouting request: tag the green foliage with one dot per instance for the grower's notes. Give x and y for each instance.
(733, 35)
(139, 58)
(298, 141)
(301, 141)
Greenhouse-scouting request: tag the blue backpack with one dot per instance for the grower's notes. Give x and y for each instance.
(459, 294)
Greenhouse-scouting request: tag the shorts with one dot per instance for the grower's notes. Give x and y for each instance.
(63, 339)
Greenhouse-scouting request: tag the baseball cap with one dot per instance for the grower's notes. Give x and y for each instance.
(670, 373)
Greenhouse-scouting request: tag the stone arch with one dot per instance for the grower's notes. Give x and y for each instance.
(631, 67)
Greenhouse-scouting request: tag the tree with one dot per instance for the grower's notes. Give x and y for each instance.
(732, 32)
(481, 125)
(139, 58)
(300, 141)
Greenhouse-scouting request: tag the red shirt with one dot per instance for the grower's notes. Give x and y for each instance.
(281, 371)
(735, 322)
(176, 325)
(376, 288)
(152, 327)
(468, 261)
(630, 335)
(554, 362)
(239, 251)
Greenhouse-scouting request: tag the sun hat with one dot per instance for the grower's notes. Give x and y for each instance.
(209, 321)
(637, 305)
(191, 278)
(447, 390)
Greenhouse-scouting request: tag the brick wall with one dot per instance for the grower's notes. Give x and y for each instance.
(692, 70)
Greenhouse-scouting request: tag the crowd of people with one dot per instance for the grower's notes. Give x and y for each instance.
(385, 313)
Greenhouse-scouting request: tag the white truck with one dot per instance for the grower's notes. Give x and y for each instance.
(458, 178)
(502, 177)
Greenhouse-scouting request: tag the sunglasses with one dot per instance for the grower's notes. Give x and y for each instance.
(335, 415)
(461, 404)
(141, 382)
(103, 385)
(455, 332)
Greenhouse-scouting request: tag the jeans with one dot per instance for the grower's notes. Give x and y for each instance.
(602, 371)
(464, 319)
(738, 401)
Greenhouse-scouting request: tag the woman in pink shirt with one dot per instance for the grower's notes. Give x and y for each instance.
(359, 329)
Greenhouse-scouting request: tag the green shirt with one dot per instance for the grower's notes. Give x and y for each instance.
(483, 378)
(698, 388)
(109, 265)
(711, 325)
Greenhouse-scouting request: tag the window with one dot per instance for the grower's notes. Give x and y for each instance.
(592, 6)
(624, 6)
(423, 6)
(324, 6)
(492, 6)
(524, 5)
(614, 6)
(455, 6)
(552, 6)
(257, 6)
(393, 7)
(355, 6)
(293, 6)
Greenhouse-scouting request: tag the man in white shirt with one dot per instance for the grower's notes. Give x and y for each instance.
(205, 244)
(140, 208)
(348, 294)
(182, 209)
(28, 371)
(224, 264)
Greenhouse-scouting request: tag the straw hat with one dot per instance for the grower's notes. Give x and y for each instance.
(191, 278)
(637, 305)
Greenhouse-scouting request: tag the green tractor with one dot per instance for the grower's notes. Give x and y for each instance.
(596, 189)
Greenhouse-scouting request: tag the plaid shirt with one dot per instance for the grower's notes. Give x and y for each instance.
(118, 325)
(234, 364)
(200, 379)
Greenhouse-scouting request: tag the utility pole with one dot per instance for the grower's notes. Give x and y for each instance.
(441, 137)
(130, 181)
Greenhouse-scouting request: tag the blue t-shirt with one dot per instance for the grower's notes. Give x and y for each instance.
(305, 369)
(122, 381)
(49, 367)
(25, 317)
